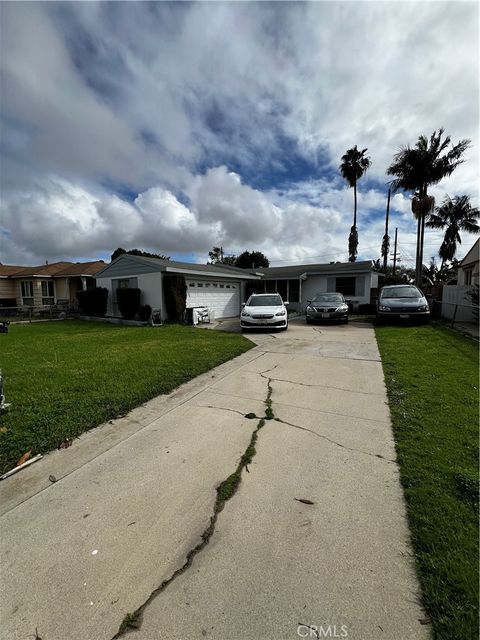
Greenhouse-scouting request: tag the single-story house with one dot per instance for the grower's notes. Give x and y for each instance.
(222, 288)
(299, 283)
(219, 287)
(469, 268)
(456, 300)
(46, 284)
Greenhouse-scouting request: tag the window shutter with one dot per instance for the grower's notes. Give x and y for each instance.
(331, 285)
(360, 286)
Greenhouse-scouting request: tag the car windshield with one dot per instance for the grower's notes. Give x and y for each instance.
(328, 297)
(264, 301)
(401, 292)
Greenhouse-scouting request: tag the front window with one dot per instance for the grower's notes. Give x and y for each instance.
(264, 301)
(346, 286)
(401, 292)
(48, 292)
(334, 298)
(27, 292)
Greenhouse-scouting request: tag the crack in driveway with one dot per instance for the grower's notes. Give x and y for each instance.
(225, 491)
(338, 444)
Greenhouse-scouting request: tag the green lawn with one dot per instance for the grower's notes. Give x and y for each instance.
(432, 381)
(63, 378)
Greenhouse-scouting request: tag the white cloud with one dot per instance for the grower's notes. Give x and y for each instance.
(160, 98)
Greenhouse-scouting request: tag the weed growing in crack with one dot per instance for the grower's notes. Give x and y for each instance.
(131, 621)
(269, 415)
(224, 492)
(250, 416)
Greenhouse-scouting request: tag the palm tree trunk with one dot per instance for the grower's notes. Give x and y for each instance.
(355, 203)
(418, 277)
(385, 257)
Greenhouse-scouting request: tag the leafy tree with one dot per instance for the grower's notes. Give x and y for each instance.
(417, 169)
(353, 166)
(252, 259)
(454, 216)
(137, 252)
(216, 255)
(434, 275)
(244, 260)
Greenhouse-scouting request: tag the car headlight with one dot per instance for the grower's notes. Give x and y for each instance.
(382, 307)
(423, 307)
(245, 314)
(343, 307)
(281, 313)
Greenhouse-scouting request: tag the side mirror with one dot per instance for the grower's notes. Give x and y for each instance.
(286, 303)
(308, 301)
(243, 304)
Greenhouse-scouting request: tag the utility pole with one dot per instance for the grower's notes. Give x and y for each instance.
(395, 251)
(386, 239)
(221, 254)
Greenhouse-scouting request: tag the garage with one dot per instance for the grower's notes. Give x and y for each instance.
(221, 298)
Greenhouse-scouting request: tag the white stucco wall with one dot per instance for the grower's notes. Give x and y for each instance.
(319, 284)
(150, 285)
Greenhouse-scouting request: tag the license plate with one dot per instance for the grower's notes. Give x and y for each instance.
(325, 315)
(404, 316)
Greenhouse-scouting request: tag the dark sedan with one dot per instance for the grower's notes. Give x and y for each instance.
(327, 306)
(402, 302)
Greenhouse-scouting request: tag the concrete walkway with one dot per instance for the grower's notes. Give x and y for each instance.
(135, 497)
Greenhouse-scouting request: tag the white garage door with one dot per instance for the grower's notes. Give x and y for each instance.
(220, 297)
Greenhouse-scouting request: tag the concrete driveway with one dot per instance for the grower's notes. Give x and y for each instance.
(313, 543)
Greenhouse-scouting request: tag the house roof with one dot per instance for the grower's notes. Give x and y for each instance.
(181, 267)
(55, 269)
(295, 271)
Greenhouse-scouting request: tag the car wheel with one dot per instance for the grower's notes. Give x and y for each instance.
(345, 321)
(309, 321)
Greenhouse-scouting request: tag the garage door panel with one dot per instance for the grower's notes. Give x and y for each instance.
(223, 299)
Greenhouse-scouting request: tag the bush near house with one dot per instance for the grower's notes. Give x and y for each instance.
(93, 302)
(128, 301)
(175, 295)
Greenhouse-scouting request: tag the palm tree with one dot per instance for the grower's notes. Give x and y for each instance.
(386, 237)
(454, 216)
(419, 168)
(354, 164)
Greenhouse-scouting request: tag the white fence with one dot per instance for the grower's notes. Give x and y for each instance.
(456, 305)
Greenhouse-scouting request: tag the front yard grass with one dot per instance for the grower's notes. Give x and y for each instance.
(432, 382)
(63, 378)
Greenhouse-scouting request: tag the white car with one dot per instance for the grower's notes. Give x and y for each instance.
(264, 310)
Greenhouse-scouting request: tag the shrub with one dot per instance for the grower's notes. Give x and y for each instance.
(128, 301)
(93, 302)
(175, 295)
(144, 312)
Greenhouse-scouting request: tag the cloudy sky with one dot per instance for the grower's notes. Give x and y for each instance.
(173, 127)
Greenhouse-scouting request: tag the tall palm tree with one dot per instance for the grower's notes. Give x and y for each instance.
(417, 169)
(386, 237)
(454, 216)
(354, 164)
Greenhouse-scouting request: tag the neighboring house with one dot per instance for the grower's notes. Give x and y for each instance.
(299, 283)
(219, 287)
(222, 288)
(469, 268)
(45, 284)
(456, 303)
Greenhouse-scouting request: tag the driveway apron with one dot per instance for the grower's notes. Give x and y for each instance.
(313, 543)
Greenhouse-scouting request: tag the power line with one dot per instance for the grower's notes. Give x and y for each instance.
(325, 255)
